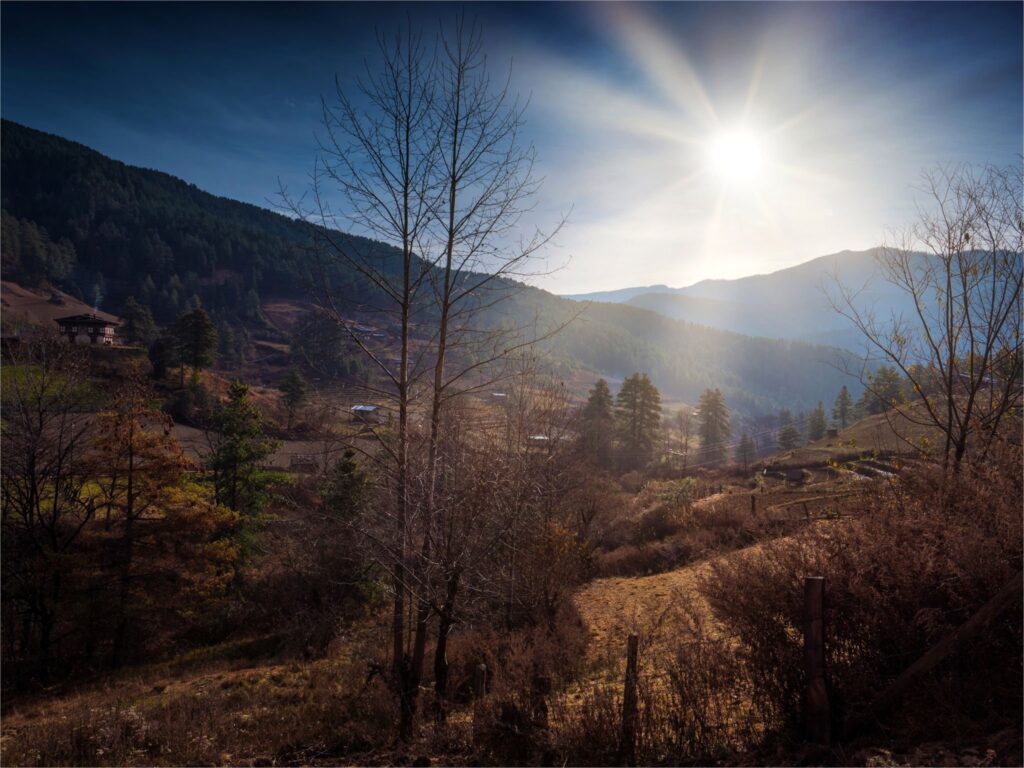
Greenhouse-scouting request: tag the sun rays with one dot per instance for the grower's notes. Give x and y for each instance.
(732, 161)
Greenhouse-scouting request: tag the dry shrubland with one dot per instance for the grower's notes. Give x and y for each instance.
(905, 566)
(666, 528)
(924, 554)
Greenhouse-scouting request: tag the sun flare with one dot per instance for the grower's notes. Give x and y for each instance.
(736, 156)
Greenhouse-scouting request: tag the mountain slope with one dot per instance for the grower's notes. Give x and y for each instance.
(146, 234)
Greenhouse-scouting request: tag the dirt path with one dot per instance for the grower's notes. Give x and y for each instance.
(613, 608)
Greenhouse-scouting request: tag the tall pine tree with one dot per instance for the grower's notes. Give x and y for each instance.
(713, 418)
(638, 417)
(817, 424)
(842, 411)
(789, 435)
(238, 446)
(196, 338)
(139, 326)
(597, 425)
(294, 391)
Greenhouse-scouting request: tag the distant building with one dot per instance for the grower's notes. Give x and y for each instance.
(367, 414)
(538, 440)
(87, 329)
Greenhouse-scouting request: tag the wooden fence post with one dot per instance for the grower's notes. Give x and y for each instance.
(753, 504)
(480, 681)
(479, 690)
(539, 689)
(816, 707)
(629, 702)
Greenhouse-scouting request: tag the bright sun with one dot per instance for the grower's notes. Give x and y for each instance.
(736, 156)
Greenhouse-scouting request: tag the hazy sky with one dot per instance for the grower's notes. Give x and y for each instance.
(691, 140)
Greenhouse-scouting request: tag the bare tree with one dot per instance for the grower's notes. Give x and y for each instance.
(960, 346)
(684, 428)
(379, 153)
(486, 185)
(434, 166)
(45, 438)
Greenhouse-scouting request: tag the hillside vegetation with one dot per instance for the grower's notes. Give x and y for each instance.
(140, 233)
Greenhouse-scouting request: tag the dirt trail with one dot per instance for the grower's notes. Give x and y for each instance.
(613, 608)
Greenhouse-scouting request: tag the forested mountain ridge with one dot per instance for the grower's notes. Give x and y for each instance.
(144, 233)
(110, 231)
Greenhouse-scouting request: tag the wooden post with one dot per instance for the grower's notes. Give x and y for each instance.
(629, 702)
(807, 512)
(539, 690)
(480, 681)
(816, 708)
(753, 504)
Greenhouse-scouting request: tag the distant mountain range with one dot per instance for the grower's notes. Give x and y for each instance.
(791, 303)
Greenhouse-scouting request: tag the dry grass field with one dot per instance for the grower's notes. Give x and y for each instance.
(31, 307)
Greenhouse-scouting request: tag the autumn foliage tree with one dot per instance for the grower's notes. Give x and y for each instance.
(109, 541)
(150, 507)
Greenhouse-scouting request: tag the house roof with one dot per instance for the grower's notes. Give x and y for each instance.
(363, 408)
(84, 320)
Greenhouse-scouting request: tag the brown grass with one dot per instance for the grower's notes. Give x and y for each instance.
(285, 713)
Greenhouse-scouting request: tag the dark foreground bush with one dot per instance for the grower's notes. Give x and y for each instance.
(922, 557)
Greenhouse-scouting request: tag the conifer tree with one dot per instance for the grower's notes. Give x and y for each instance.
(294, 391)
(713, 418)
(638, 417)
(237, 446)
(842, 411)
(597, 425)
(196, 339)
(139, 326)
(884, 390)
(817, 424)
(789, 435)
(163, 354)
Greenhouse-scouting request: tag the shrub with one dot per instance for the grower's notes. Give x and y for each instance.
(925, 554)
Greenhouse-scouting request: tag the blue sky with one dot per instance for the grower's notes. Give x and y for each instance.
(846, 104)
